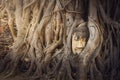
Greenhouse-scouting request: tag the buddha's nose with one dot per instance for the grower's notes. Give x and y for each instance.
(81, 44)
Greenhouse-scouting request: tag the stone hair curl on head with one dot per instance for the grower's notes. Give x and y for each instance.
(81, 30)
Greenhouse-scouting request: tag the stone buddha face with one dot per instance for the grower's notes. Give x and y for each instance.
(79, 38)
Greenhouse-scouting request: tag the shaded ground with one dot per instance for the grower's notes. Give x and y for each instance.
(6, 42)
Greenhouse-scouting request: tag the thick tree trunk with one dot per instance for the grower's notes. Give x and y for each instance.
(43, 39)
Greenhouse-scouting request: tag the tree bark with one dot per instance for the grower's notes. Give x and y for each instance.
(42, 32)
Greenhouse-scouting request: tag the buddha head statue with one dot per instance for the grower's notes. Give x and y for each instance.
(80, 37)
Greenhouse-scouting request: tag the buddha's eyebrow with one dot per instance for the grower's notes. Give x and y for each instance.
(77, 35)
